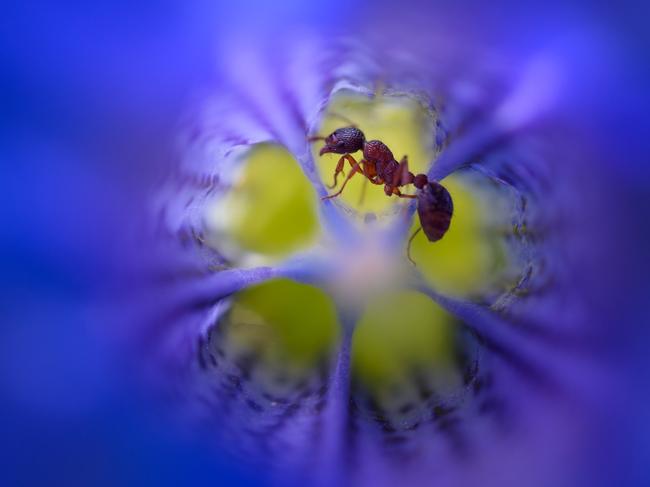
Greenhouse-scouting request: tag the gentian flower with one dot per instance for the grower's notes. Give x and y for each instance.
(180, 290)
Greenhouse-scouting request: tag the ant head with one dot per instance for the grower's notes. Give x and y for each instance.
(345, 140)
(420, 181)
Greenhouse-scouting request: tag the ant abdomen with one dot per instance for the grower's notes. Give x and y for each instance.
(435, 209)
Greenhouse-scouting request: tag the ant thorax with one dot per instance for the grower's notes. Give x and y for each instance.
(378, 152)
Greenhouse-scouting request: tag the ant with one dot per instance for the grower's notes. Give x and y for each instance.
(434, 204)
(378, 164)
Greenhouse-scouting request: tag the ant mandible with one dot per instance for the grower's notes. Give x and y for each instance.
(434, 204)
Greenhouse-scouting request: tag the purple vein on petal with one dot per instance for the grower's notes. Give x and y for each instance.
(499, 335)
(530, 99)
(336, 415)
(535, 360)
(191, 299)
(252, 70)
(464, 149)
(336, 223)
(209, 290)
(306, 268)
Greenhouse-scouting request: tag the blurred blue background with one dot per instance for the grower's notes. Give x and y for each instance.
(91, 95)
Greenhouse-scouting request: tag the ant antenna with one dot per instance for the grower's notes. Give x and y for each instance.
(362, 196)
(344, 118)
(408, 248)
(314, 138)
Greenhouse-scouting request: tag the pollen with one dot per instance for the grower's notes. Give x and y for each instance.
(368, 272)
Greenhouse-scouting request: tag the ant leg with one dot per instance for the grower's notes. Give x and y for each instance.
(399, 194)
(408, 248)
(364, 169)
(353, 163)
(392, 190)
(350, 159)
(339, 169)
(367, 168)
(363, 191)
(402, 176)
(370, 173)
(315, 138)
(355, 170)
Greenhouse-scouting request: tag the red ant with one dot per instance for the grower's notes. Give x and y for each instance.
(378, 165)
